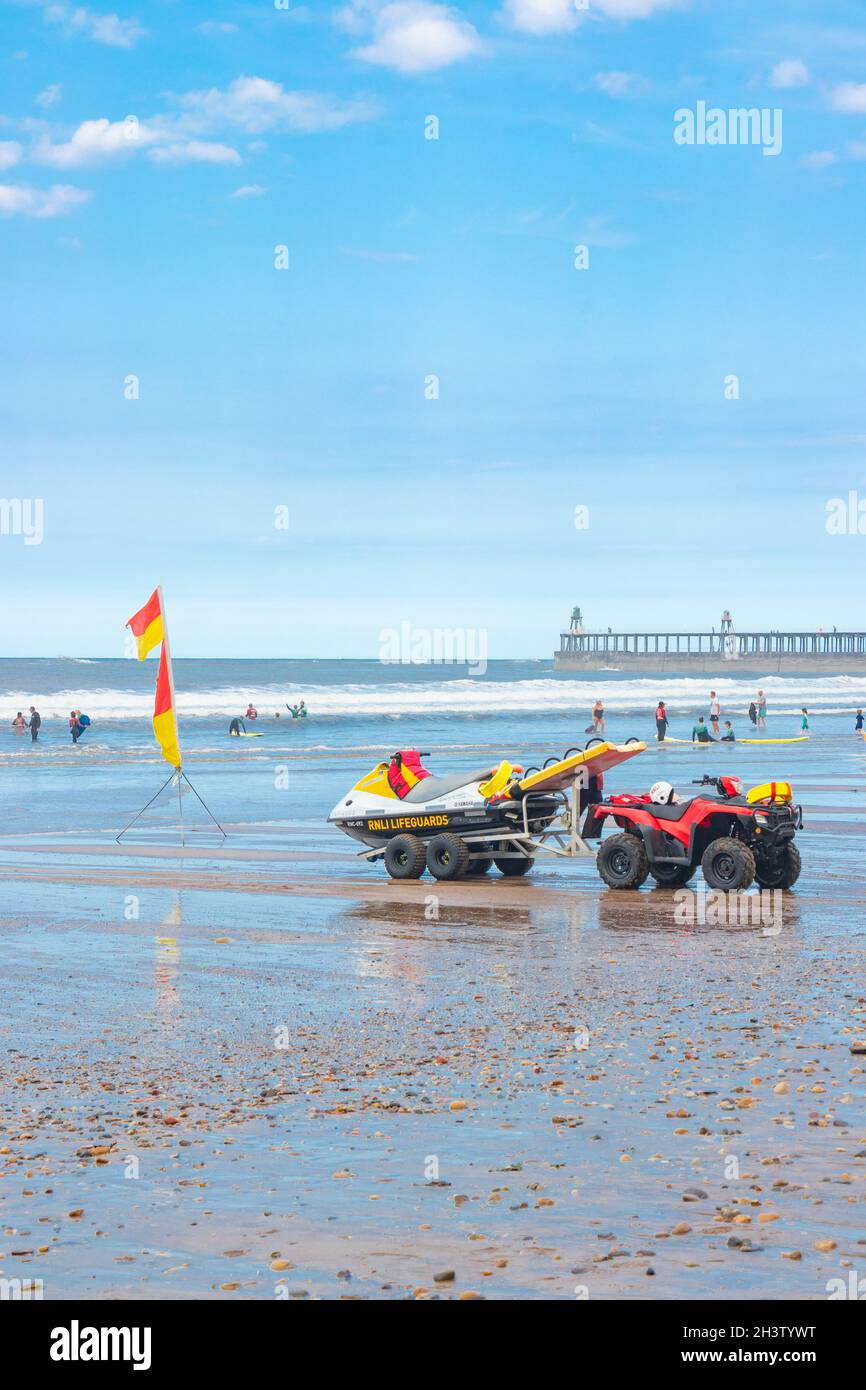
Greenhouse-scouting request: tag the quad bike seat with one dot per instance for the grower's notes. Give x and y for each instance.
(431, 787)
(675, 812)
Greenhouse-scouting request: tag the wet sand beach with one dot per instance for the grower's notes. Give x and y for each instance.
(263, 1071)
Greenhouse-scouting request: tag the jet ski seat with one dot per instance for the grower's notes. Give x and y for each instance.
(431, 787)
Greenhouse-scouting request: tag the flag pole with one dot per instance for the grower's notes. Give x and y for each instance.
(167, 649)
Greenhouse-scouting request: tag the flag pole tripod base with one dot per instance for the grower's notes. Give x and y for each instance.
(178, 775)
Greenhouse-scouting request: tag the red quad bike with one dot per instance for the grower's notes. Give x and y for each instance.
(735, 841)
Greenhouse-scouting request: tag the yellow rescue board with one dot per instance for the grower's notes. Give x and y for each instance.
(597, 759)
(704, 743)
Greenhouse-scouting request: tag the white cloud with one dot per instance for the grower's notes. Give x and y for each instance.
(621, 84)
(50, 96)
(559, 16)
(542, 16)
(820, 159)
(849, 96)
(215, 26)
(256, 104)
(94, 142)
(10, 153)
(414, 36)
(40, 202)
(100, 141)
(194, 152)
(101, 28)
(791, 72)
(249, 190)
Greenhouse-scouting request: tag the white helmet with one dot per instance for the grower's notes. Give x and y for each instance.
(662, 793)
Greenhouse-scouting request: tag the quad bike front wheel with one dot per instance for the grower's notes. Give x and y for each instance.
(672, 875)
(447, 856)
(622, 861)
(784, 873)
(728, 865)
(405, 856)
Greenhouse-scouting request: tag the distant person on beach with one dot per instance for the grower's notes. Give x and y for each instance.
(19, 723)
(858, 722)
(753, 714)
(700, 732)
(598, 717)
(715, 711)
(252, 712)
(35, 723)
(805, 724)
(661, 721)
(762, 710)
(728, 736)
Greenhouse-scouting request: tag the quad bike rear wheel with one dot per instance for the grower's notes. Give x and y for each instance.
(405, 856)
(514, 868)
(447, 856)
(785, 872)
(728, 865)
(672, 875)
(622, 861)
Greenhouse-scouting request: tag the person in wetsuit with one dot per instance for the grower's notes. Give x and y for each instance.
(661, 721)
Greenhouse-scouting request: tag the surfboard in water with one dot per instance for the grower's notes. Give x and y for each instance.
(801, 738)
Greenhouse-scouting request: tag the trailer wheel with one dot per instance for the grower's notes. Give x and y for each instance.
(786, 872)
(514, 868)
(728, 865)
(479, 867)
(447, 856)
(672, 875)
(405, 856)
(622, 861)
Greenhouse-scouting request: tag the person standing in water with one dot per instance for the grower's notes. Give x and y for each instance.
(762, 710)
(35, 723)
(805, 724)
(661, 721)
(19, 723)
(715, 711)
(74, 726)
(858, 722)
(598, 717)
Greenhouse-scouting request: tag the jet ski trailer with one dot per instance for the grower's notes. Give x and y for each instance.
(459, 826)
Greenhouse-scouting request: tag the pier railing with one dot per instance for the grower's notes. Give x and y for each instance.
(737, 644)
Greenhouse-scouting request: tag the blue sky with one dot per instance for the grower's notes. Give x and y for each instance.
(258, 127)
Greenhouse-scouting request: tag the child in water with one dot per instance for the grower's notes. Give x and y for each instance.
(858, 722)
(805, 724)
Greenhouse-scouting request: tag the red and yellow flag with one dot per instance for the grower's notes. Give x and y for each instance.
(147, 626)
(164, 716)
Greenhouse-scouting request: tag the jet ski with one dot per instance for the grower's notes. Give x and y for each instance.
(463, 823)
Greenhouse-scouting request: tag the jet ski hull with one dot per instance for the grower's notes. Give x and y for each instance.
(376, 828)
